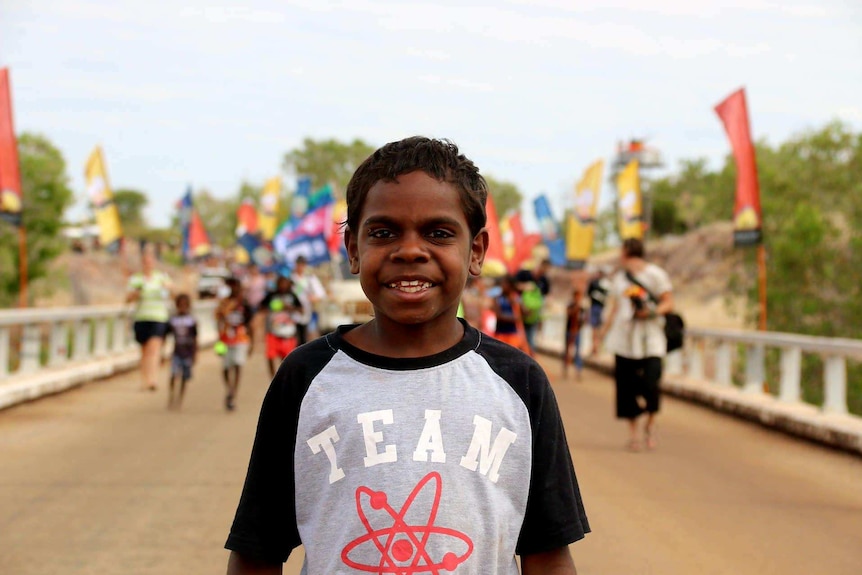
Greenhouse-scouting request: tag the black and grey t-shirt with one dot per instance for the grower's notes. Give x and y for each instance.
(453, 462)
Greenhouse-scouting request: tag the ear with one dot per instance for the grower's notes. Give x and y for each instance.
(352, 250)
(478, 249)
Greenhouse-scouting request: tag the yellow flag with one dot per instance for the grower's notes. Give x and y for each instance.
(629, 206)
(580, 222)
(102, 200)
(268, 214)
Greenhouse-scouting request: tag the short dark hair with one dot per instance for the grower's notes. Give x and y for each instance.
(440, 159)
(183, 297)
(634, 248)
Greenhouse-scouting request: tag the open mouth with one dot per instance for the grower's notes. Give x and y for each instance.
(410, 286)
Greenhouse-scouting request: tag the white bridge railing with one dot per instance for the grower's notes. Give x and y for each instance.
(32, 340)
(36, 340)
(711, 355)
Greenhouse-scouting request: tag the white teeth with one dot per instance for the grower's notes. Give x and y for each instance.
(410, 286)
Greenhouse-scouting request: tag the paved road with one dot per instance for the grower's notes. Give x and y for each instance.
(104, 480)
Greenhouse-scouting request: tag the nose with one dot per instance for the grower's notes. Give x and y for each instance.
(410, 248)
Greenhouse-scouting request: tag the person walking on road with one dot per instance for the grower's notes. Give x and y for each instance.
(597, 291)
(634, 328)
(309, 289)
(150, 290)
(534, 286)
(184, 327)
(236, 338)
(282, 308)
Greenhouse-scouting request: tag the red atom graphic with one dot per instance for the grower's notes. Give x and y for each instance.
(402, 547)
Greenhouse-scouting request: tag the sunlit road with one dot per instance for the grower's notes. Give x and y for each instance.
(104, 480)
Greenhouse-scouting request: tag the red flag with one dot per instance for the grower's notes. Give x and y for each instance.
(747, 216)
(522, 243)
(246, 219)
(199, 241)
(495, 259)
(10, 175)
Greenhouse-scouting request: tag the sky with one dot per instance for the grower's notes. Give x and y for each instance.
(210, 94)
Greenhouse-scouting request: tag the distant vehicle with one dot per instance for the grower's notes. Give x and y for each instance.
(211, 282)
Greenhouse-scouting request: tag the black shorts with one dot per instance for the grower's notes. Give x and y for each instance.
(637, 382)
(144, 330)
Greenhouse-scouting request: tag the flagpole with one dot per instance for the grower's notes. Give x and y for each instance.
(23, 300)
(761, 276)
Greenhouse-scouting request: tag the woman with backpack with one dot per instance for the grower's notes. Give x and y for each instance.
(640, 296)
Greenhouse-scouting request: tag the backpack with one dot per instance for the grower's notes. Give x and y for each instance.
(532, 301)
(674, 329)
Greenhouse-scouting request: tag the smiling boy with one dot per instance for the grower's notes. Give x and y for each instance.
(411, 443)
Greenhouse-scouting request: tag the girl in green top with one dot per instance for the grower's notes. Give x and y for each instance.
(151, 290)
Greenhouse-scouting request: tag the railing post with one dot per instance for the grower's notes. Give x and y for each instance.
(695, 362)
(754, 368)
(4, 351)
(118, 333)
(791, 367)
(100, 347)
(30, 344)
(59, 352)
(835, 384)
(724, 363)
(82, 339)
(673, 362)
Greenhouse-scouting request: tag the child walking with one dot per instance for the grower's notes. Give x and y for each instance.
(574, 321)
(411, 443)
(234, 316)
(184, 328)
(283, 308)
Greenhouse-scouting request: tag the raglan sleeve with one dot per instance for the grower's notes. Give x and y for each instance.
(555, 514)
(264, 526)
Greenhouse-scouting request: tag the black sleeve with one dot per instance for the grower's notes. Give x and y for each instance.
(264, 303)
(555, 513)
(264, 527)
(195, 330)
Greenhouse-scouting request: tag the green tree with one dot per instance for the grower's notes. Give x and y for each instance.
(218, 216)
(327, 161)
(46, 195)
(130, 207)
(507, 196)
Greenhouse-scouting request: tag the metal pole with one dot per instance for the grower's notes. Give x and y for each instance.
(22, 267)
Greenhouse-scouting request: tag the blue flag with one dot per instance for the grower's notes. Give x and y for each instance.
(185, 215)
(550, 231)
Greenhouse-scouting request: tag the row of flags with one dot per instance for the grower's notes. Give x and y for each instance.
(313, 226)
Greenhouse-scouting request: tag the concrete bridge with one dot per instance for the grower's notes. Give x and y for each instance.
(102, 478)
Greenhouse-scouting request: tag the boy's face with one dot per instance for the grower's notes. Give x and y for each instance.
(183, 306)
(413, 250)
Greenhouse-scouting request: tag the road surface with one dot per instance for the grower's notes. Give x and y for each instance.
(104, 480)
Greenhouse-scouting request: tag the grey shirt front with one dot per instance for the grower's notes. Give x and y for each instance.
(452, 462)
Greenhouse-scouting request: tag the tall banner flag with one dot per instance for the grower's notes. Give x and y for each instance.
(269, 202)
(550, 230)
(747, 216)
(299, 201)
(10, 175)
(629, 202)
(102, 201)
(495, 257)
(199, 239)
(580, 223)
(184, 208)
(517, 245)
